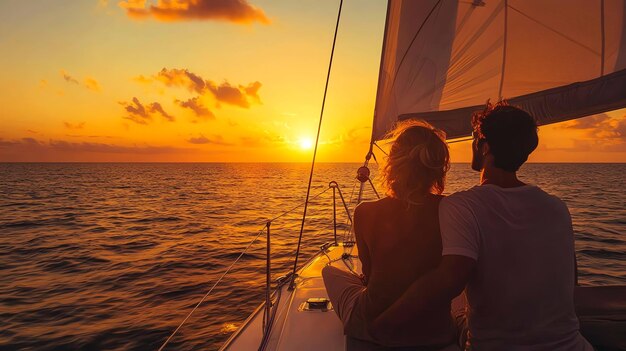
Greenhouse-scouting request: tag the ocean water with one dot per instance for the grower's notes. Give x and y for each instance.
(113, 256)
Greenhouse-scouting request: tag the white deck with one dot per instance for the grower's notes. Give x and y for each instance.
(294, 329)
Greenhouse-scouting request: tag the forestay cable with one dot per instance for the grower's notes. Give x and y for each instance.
(317, 139)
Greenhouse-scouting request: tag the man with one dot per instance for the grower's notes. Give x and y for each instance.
(509, 244)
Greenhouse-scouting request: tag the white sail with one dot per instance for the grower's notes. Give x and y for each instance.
(442, 59)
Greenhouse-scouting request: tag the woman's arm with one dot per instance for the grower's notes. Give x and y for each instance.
(360, 228)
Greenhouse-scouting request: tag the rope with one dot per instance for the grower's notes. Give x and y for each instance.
(317, 139)
(210, 290)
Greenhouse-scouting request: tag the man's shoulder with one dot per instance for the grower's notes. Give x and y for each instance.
(463, 196)
(553, 200)
(542, 195)
(479, 193)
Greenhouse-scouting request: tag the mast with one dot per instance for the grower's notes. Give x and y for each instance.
(370, 152)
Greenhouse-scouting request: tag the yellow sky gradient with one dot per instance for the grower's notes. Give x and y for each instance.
(125, 82)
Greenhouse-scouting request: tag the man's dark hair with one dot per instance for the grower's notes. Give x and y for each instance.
(510, 132)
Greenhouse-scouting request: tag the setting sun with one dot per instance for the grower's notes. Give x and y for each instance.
(306, 143)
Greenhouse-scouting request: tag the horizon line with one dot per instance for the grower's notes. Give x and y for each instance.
(251, 162)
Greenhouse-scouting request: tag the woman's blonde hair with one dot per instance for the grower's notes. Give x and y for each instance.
(417, 162)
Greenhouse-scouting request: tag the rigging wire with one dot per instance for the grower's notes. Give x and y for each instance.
(380, 148)
(317, 139)
(459, 140)
(231, 266)
(210, 290)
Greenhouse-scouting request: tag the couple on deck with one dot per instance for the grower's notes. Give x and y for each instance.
(508, 245)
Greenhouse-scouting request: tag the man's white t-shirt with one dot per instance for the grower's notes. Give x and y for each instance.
(521, 294)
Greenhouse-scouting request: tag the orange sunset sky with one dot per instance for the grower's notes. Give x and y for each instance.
(211, 81)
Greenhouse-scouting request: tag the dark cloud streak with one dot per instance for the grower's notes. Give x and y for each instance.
(77, 126)
(234, 11)
(33, 145)
(141, 114)
(197, 107)
(241, 96)
(201, 139)
(68, 78)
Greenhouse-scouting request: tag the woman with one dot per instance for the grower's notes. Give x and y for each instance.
(398, 241)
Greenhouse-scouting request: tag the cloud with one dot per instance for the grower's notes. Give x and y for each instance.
(240, 95)
(141, 114)
(76, 126)
(600, 126)
(201, 139)
(197, 107)
(588, 122)
(235, 11)
(68, 78)
(33, 145)
(91, 136)
(180, 78)
(600, 133)
(137, 112)
(33, 150)
(89, 82)
(156, 107)
(92, 84)
(252, 91)
(228, 94)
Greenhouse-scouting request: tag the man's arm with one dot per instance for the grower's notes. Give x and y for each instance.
(433, 289)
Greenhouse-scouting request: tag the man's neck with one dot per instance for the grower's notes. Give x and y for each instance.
(499, 177)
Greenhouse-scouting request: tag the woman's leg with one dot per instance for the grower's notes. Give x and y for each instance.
(343, 290)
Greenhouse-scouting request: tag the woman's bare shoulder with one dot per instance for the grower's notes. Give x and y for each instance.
(370, 207)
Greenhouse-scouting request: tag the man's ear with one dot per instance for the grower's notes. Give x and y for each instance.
(484, 149)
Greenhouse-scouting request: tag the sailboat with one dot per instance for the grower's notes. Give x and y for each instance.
(441, 60)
